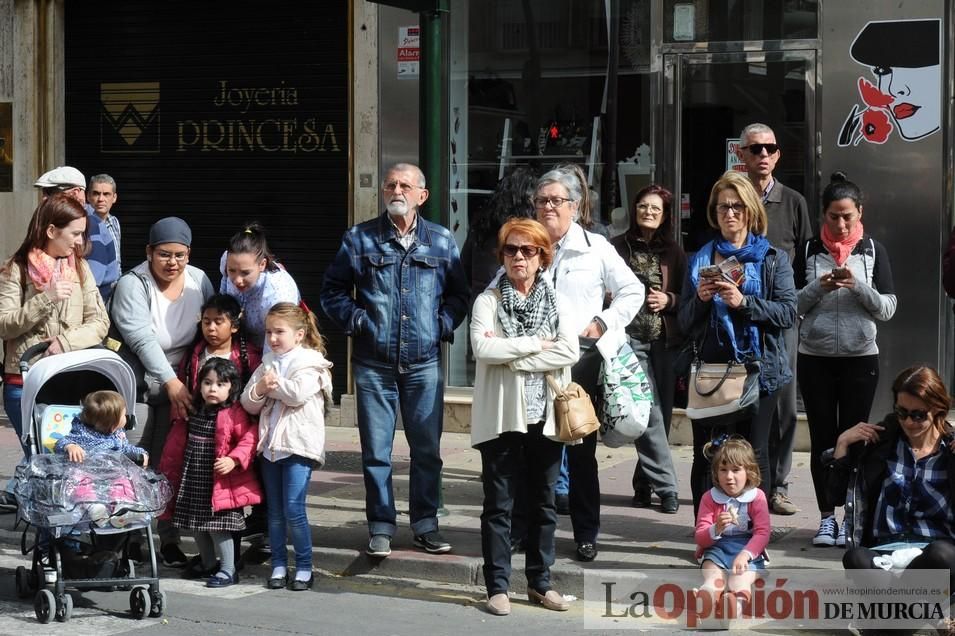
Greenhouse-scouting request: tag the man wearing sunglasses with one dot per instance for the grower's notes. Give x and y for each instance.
(789, 227)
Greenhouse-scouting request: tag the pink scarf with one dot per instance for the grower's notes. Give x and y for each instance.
(45, 270)
(841, 248)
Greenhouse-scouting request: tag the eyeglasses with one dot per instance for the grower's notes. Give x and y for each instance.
(757, 149)
(555, 202)
(726, 208)
(644, 207)
(529, 251)
(179, 257)
(391, 186)
(916, 415)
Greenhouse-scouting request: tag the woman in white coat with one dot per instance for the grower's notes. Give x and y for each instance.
(518, 337)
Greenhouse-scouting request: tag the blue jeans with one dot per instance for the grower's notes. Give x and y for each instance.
(286, 484)
(563, 477)
(11, 404)
(419, 394)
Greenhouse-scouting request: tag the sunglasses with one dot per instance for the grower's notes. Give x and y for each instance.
(529, 251)
(916, 415)
(757, 149)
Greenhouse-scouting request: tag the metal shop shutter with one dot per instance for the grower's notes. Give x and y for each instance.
(218, 112)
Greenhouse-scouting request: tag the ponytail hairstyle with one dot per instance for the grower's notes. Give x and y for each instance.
(299, 318)
(225, 371)
(251, 240)
(732, 450)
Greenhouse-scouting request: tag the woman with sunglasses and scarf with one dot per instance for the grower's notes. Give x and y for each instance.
(845, 286)
(897, 479)
(518, 339)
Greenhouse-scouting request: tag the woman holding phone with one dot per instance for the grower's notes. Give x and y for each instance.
(738, 299)
(845, 286)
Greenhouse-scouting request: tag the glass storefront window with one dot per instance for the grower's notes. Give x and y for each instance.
(531, 86)
(739, 20)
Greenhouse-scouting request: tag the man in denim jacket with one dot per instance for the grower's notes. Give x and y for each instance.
(410, 294)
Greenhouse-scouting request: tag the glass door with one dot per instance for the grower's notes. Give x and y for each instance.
(710, 97)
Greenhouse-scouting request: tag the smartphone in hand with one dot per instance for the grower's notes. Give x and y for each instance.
(840, 273)
(710, 271)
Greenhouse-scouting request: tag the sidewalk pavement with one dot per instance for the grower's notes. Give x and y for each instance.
(629, 538)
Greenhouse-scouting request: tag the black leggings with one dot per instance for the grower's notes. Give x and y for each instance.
(837, 394)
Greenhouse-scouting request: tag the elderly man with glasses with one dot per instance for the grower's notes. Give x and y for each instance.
(410, 292)
(103, 258)
(789, 228)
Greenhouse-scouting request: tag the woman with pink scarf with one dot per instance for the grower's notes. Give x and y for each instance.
(48, 294)
(845, 286)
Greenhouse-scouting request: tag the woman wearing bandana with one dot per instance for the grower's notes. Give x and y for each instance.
(845, 286)
(741, 321)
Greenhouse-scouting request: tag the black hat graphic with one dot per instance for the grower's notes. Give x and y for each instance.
(905, 43)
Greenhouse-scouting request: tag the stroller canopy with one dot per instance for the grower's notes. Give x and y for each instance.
(82, 371)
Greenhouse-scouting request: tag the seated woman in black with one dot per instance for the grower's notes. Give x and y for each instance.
(897, 478)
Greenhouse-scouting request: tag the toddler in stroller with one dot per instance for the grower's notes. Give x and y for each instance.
(85, 498)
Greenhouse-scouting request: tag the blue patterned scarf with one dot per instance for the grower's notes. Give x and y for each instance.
(743, 335)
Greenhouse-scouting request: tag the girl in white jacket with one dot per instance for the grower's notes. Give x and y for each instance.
(289, 391)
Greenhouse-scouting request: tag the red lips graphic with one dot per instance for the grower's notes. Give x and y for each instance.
(903, 110)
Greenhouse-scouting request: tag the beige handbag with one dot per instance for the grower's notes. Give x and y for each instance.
(717, 390)
(573, 411)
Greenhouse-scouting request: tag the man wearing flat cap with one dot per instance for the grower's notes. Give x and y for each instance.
(155, 309)
(103, 258)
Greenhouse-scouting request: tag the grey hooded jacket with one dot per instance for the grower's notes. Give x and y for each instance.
(843, 322)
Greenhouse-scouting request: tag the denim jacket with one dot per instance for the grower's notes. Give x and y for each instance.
(405, 303)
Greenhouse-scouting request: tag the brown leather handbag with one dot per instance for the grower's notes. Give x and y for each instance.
(573, 411)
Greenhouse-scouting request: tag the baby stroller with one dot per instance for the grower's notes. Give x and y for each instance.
(46, 488)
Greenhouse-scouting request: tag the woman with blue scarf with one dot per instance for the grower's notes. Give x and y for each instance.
(741, 322)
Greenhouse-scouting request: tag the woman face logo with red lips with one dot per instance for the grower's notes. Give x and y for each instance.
(917, 99)
(906, 94)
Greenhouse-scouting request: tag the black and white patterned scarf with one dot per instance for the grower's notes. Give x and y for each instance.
(527, 316)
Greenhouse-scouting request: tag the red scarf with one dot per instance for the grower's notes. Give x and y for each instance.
(841, 248)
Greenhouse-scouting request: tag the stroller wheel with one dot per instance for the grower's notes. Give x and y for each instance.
(24, 588)
(139, 603)
(64, 608)
(158, 604)
(43, 605)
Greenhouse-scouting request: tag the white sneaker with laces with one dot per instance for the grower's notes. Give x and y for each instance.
(828, 532)
(841, 537)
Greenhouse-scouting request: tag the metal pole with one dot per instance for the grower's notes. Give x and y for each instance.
(433, 129)
(433, 139)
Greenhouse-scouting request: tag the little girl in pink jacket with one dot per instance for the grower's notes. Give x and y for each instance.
(732, 526)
